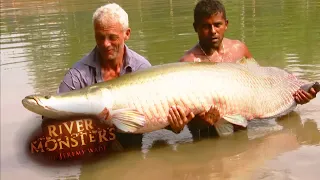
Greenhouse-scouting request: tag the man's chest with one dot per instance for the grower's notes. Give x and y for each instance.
(110, 74)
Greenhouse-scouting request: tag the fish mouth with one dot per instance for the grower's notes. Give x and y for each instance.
(34, 104)
(31, 101)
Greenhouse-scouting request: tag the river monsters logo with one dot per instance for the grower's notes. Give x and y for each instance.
(62, 140)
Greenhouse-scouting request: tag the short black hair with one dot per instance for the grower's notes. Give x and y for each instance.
(205, 8)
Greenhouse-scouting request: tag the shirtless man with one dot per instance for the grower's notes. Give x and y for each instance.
(210, 23)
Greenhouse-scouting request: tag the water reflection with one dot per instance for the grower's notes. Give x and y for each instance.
(307, 132)
(258, 134)
(308, 72)
(236, 156)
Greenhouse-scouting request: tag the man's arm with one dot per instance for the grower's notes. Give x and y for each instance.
(144, 65)
(71, 81)
(188, 57)
(246, 52)
(241, 48)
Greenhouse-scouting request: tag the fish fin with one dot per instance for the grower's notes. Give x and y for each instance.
(236, 119)
(224, 128)
(128, 120)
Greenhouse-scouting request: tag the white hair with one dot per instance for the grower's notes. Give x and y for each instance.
(111, 13)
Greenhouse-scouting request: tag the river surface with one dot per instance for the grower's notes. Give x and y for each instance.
(40, 40)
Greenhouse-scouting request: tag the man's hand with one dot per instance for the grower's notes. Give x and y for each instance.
(178, 119)
(211, 117)
(103, 117)
(104, 114)
(303, 97)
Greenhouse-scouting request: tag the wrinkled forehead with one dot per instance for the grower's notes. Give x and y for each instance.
(110, 27)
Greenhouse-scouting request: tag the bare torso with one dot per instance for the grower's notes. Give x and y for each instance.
(231, 51)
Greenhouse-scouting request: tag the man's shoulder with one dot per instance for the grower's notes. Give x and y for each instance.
(238, 47)
(189, 55)
(138, 58)
(88, 60)
(83, 67)
(233, 41)
(139, 61)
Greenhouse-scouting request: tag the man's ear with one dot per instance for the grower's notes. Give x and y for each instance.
(227, 22)
(195, 26)
(127, 34)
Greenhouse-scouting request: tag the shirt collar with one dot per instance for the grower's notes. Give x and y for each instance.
(128, 62)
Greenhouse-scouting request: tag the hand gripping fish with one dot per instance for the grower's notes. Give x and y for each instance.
(139, 102)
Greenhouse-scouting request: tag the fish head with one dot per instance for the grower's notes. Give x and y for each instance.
(44, 105)
(70, 104)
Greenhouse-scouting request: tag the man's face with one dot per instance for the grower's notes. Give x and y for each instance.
(211, 30)
(110, 39)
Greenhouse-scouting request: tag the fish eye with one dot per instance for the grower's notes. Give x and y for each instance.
(47, 97)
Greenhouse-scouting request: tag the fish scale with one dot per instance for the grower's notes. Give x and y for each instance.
(253, 89)
(235, 89)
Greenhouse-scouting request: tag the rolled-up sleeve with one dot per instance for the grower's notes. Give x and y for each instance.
(144, 66)
(71, 81)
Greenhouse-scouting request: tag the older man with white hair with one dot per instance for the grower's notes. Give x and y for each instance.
(111, 58)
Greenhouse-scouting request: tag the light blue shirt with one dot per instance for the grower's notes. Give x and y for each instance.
(87, 71)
